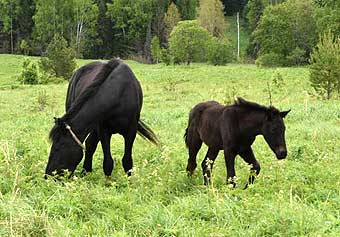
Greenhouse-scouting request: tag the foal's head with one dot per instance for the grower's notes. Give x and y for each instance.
(273, 130)
(65, 153)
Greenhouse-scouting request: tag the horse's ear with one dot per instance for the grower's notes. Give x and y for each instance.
(284, 113)
(58, 121)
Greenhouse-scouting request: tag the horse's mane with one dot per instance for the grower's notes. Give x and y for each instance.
(89, 92)
(254, 106)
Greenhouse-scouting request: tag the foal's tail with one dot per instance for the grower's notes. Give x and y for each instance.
(146, 132)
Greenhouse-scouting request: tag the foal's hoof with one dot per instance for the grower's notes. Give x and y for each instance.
(206, 180)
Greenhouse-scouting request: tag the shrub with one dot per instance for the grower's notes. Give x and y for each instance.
(166, 57)
(296, 57)
(188, 42)
(155, 49)
(270, 60)
(219, 52)
(325, 66)
(58, 60)
(29, 74)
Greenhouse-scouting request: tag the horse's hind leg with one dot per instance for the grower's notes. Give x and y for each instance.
(207, 164)
(194, 144)
(91, 146)
(105, 140)
(129, 139)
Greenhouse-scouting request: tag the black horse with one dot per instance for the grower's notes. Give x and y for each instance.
(103, 98)
(233, 129)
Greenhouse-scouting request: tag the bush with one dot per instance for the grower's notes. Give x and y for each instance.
(58, 60)
(219, 52)
(29, 74)
(296, 57)
(188, 42)
(325, 66)
(166, 57)
(270, 60)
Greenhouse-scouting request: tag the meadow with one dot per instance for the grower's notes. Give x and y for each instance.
(298, 196)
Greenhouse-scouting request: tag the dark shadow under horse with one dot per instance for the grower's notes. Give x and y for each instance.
(233, 129)
(103, 98)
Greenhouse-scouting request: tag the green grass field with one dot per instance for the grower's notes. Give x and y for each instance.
(299, 196)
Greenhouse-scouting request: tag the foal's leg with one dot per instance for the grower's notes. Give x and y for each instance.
(207, 164)
(194, 145)
(91, 145)
(127, 162)
(229, 157)
(248, 156)
(105, 140)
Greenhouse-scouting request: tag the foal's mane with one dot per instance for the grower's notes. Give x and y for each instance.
(254, 106)
(89, 92)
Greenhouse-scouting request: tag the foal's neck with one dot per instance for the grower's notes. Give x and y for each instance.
(252, 122)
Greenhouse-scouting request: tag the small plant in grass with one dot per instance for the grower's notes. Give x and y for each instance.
(325, 66)
(278, 80)
(29, 74)
(42, 100)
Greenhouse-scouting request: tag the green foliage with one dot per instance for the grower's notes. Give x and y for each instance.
(285, 27)
(156, 49)
(166, 56)
(29, 74)
(327, 16)
(211, 17)
(187, 8)
(219, 52)
(296, 57)
(131, 19)
(24, 47)
(75, 20)
(231, 7)
(270, 60)
(325, 66)
(58, 60)
(171, 18)
(188, 42)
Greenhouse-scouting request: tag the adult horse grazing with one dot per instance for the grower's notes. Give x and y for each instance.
(233, 129)
(103, 98)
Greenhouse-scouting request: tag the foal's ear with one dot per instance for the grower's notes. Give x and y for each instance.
(284, 113)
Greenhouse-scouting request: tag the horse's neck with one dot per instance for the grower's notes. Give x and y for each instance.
(252, 123)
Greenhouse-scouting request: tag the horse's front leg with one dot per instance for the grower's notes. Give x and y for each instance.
(248, 156)
(229, 157)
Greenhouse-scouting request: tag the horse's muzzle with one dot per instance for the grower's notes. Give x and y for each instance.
(281, 153)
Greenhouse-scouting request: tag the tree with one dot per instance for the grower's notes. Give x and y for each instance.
(156, 49)
(58, 60)
(75, 20)
(210, 16)
(233, 6)
(325, 65)
(188, 42)
(171, 18)
(285, 27)
(327, 16)
(131, 21)
(187, 8)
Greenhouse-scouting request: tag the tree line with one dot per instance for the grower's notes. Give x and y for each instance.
(282, 32)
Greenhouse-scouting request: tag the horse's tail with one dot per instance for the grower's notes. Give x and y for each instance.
(146, 132)
(186, 138)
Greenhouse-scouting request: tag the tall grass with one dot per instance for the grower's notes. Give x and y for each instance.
(298, 196)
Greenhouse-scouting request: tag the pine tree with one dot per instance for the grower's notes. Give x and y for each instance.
(171, 18)
(325, 66)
